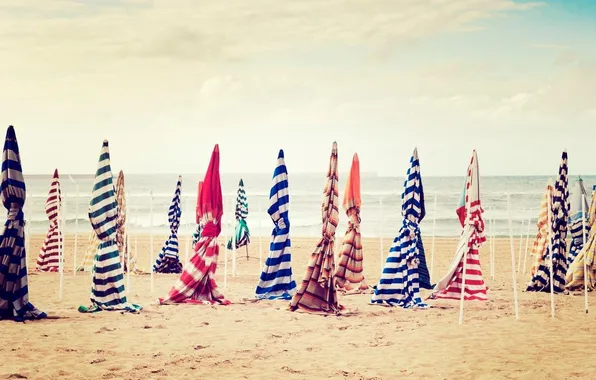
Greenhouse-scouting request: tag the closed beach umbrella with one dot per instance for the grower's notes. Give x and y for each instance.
(350, 268)
(241, 230)
(539, 248)
(575, 272)
(471, 239)
(197, 234)
(577, 219)
(276, 281)
(14, 291)
(317, 292)
(197, 282)
(49, 254)
(560, 214)
(400, 281)
(121, 221)
(107, 289)
(168, 260)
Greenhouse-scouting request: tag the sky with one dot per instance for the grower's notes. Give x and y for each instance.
(165, 80)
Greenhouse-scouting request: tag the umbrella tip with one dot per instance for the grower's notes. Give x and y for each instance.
(10, 133)
(355, 159)
(55, 173)
(280, 154)
(241, 183)
(179, 178)
(105, 142)
(216, 149)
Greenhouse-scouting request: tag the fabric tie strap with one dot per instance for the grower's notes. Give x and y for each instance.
(16, 213)
(210, 229)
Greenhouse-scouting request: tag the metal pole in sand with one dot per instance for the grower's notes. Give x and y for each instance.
(381, 233)
(127, 246)
(225, 252)
(527, 246)
(188, 241)
(76, 235)
(432, 251)
(550, 249)
(233, 240)
(151, 238)
(512, 259)
(260, 239)
(585, 243)
(521, 241)
(60, 246)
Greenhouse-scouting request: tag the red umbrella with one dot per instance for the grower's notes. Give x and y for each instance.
(197, 282)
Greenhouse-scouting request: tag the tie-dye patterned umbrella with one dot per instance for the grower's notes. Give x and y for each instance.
(539, 247)
(403, 272)
(107, 290)
(276, 281)
(121, 221)
(577, 219)
(168, 260)
(350, 269)
(14, 291)
(575, 272)
(471, 239)
(197, 283)
(90, 252)
(49, 254)
(558, 231)
(241, 231)
(317, 292)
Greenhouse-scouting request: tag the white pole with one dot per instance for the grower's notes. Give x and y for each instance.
(527, 246)
(432, 251)
(76, 235)
(188, 241)
(512, 259)
(381, 233)
(136, 239)
(585, 243)
(260, 239)
(463, 288)
(521, 241)
(225, 252)
(233, 239)
(491, 259)
(127, 244)
(60, 247)
(151, 237)
(550, 245)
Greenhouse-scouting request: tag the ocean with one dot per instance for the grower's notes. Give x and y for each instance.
(381, 198)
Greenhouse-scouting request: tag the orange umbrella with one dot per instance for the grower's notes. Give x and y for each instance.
(317, 292)
(349, 269)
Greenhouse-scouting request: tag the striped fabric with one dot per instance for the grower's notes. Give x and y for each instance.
(276, 281)
(107, 290)
(575, 273)
(14, 290)
(400, 281)
(168, 260)
(196, 284)
(350, 267)
(197, 234)
(471, 239)
(540, 281)
(90, 252)
(577, 220)
(49, 254)
(317, 293)
(539, 248)
(241, 231)
(121, 221)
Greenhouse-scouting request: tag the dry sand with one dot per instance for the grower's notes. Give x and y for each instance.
(264, 340)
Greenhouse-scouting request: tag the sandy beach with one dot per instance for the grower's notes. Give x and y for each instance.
(263, 340)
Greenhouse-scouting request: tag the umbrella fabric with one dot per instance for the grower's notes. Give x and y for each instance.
(197, 284)
(540, 281)
(317, 292)
(90, 253)
(276, 281)
(575, 273)
(197, 234)
(241, 230)
(107, 290)
(471, 239)
(14, 290)
(350, 268)
(121, 221)
(541, 241)
(168, 260)
(400, 281)
(49, 254)
(577, 220)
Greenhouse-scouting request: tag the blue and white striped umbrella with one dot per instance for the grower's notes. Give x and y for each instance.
(560, 214)
(405, 268)
(276, 281)
(107, 290)
(578, 219)
(168, 260)
(14, 291)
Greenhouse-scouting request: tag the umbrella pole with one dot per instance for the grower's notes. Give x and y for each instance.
(151, 238)
(527, 246)
(432, 251)
(585, 244)
(225, 254)
(246, 246)
(463, 288)
(127, 247)
(234, 253)
(550, 245)
(260, 239)
(521, 241)
(187, 245)
(492, 246)
(512, 259)
(381, 233)
(60, 246)
(76, 235)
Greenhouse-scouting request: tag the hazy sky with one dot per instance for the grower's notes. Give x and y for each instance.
(164, 80)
